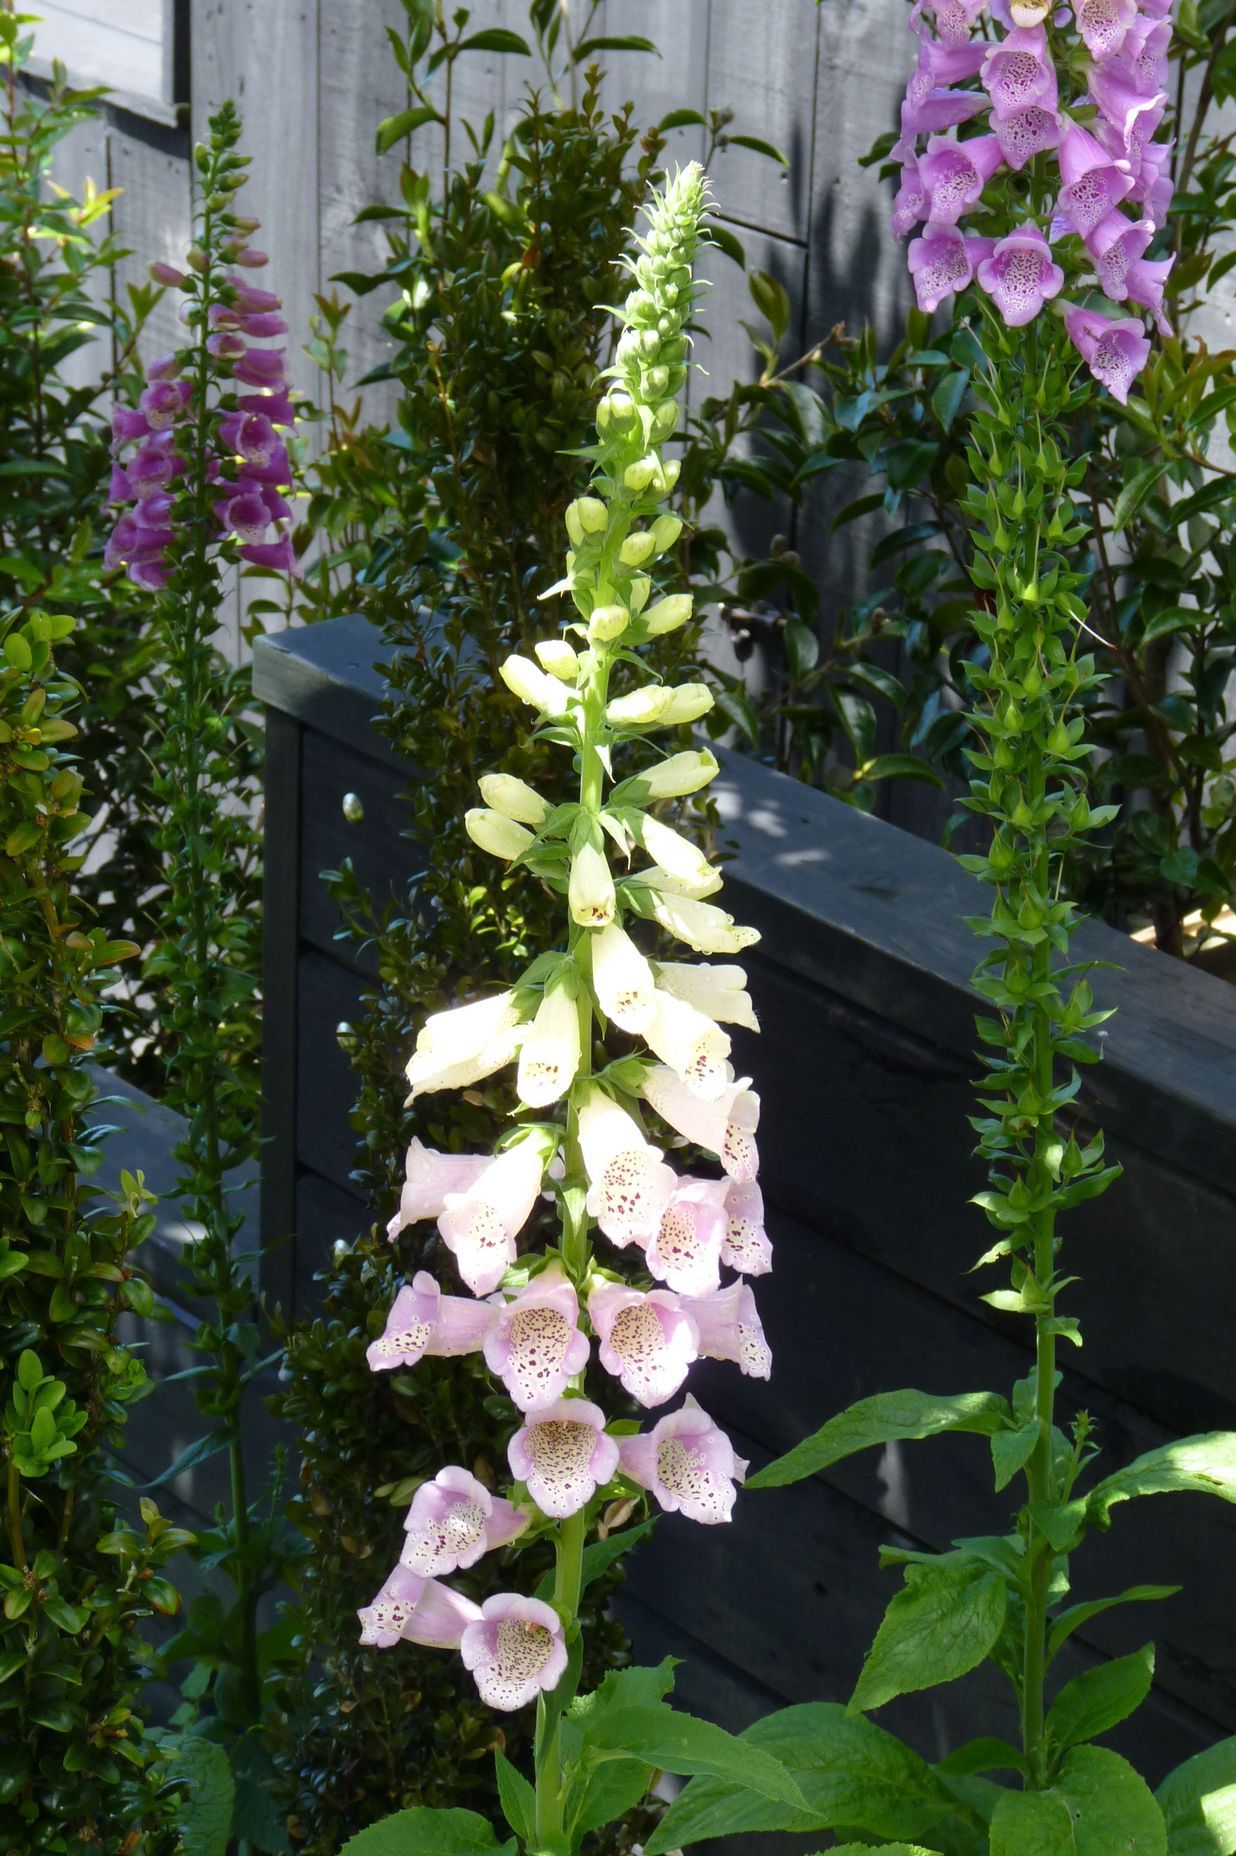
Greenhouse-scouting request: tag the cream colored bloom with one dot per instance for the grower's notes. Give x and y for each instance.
(678, 857)
(460, 1047)
(721, 992)
(679, 775)
(621, 978)
(556, 656)
(658, 705)
(703, 926)
(513, 798)
(549, 1054)
(590, 891)
(531, 684)
(693, 1046)
(495, 833)
(668, 614)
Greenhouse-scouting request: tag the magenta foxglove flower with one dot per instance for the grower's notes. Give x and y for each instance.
(535, 1345)
(563, 1455)
(730, 1329)
(1103, 24)
(1020, 275)
(1017, 72)
(418, 1611)
(453, 1520)
(479, 1225)
(685, 1253)
(647, 1342)
(725, 1127)
(1132, 115)
(1144, 54)
(1115, 352)
(909, 201)
(424, 1321)
(1093, 184)
(629, 1183)
(953, 175)
(1026, 133)
(687, 1463)
(941, 262)
(1116, 245)
(745, 1246)
(515, 1648)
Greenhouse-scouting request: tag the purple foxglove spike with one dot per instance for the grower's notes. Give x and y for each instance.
(953, 175)
(629, 1185)
(1018, 72)
(277, 507)
(687, 1464)
(453, 1520)
(563, 1455)
(249, 299)
(149, 470)
(275, 557)
(535, 1345)
(424, 1321)
(954, 19)
(223, 316)
(416, 1610)
(167, 275)
(685, 1253)
(247, 256)
(909, 201)
(941, 262)
(479, 1225)
(119, 489)
(276, 469)
(730, 1329)
(276, 407)
(1145, 284)
(251, 435)
(1020, 275)
(167, 367)
(1153, 187)
(1115, 352)
(1132, 114)
(515, 1650)
(647, 1342)
(1103, 24)
(152, 575)
(1027, 133)
(725, 1127)
(745, 1247)
(226, 346)
(939, 109)
(1092, 183)
(261, 367)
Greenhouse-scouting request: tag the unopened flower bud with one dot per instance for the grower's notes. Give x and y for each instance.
(587, 515)
(494, 832)
(590, 890)
(167, 275)
(195, 258)
(513, 798)
(636, 477)
(638, 591)
(677, 776)
(636, 549)
(556, 656)
(665, 418)
(530, 683)
(658, 706)
(665, 532)
(668, 614)
(607, 623)
(671, 473)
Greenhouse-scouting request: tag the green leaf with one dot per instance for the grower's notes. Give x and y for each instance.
(1097, 1699)
(675, 1742)
(393, 129)
(888, 1417)
(1077, 1615)
(601, 1794)
(886, 1849)
(631, 42)
(600, 1555)
(984, 1755)
(940, 1626)
(1204, 1465)
(1098, 1806)
(194, 1453)
(758, 147)
(1137, 488)
(205, 1816)
(421, 1831)
(1198, 1801)
(516, 1796)
(947, 395)
(899, 767)
(496, 39)
(1012, 1450)
(851, 1774)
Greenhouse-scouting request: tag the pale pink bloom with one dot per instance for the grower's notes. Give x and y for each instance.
(686, 1251)
(621, 978)
(1103, 24)
(1115, 352)
(417, 1610)
(1017, 72)
(719, 992)
(479, 1225)
(730, 1329)
(647, 1341)
(629, 1185)
(1020, 275)
(453, 1520)
(687, 1463)
(725, 1127)
(691, 1044)
(424, 1321)
(745, 1246)
(1092, 182)
(462, 1046)
(515, 1648)
(953, 175)
(535, 1345)
(429, 1176)
(563, 1455)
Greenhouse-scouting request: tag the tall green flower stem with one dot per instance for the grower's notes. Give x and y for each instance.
(1027, 783)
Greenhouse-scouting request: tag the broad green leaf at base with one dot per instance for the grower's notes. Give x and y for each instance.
(1198, 1801)
(420, 1831)
(1098, 1806)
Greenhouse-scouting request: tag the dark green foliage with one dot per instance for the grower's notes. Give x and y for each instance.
(74, 1759)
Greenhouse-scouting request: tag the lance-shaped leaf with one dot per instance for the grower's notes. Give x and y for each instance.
(1204, 1465)
(1198, 1801)
(676, 1742)
(888, 1417)
(1077, 1615)
(1098, 1698)
(940, 1626)
(600, 1794)
(1097, 1806)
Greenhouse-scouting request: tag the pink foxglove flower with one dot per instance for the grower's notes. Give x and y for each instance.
(453, 1520)
(622, 979)
(745, 1247)
(725, 1127)
(685, 1253)
(1115, 352)
(1104, 24)
(629, 1185)
(1132, 114)
(1144, 54)
(941, 262)
(515, 1649)
(563, 1455)
(1026, 133)
(550, 1052)
(479, 1226)
(646, 1341)
(417, 1610)
(730, 1329)
(909, 201)
(463, 1046)
(430, 1175)
(1117, 245)
(687, 1463)
(535, 1345)
(1017, 72)
(1020, 275)
(424, 1321)
(953, 175)
(1092, 182)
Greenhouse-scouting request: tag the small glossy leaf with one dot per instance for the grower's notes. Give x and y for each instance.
(497, 39)
(1204, 1465)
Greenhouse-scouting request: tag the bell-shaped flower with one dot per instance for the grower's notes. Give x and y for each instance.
(416, 1610)
(658, 705)
(954, 19)
(453, 1520)
(424, 1321)
(556, 656)
(621, 979)
(725, 1127)
(675, 777)
(466, 1044)
(535, 1345)
(1132, 114)
(647, 1342)
(1115, 352)
(479, 1226)
(1103, 24)
(932, 110)
(1020, 275)
(1144, 53)
(1117, 245)
(745, 1246)
(730, 1328)
(665, 615)
(940, 64)
(719, 992)
(941, 262)
(1092, 182)
(681, 860)
(952, 176)
(687, 1463)
(590, 889)
(534, 686)
(563, 1455)
(701, 925)
(1027, 133)
(686, 1251)
(691, 1044)
(515, 1649)
(1017, 72)
(514, 798)
(629, 1185)
(549, 1055)
(496, 834)
(1153, 185)
(909, 201)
